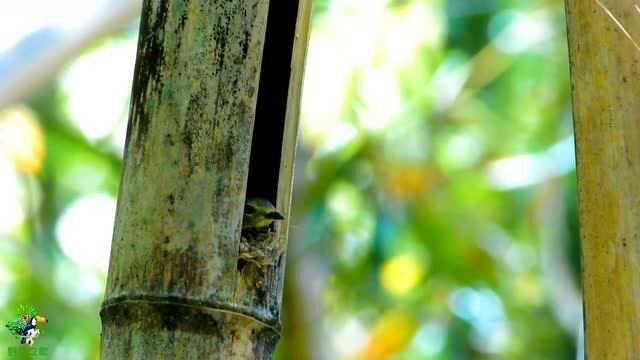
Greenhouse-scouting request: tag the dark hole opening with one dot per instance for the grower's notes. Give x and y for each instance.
(268, 129)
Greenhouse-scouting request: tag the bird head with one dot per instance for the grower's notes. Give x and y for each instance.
(260, 213)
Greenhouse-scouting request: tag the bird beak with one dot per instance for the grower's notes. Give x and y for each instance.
(274, 215)
(41, 319)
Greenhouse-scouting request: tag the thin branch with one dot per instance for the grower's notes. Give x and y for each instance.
(25, 77)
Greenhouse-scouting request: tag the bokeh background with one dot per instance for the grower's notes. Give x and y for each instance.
(435, 204)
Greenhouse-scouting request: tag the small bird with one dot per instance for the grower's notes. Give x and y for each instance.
(259, 244)
(259, 214)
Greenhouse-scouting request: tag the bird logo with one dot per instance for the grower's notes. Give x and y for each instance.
(27, 325)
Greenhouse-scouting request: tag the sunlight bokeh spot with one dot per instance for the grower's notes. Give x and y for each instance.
(483, 309)
(323, 98)
(21, 139)
(459, 150)
(533, 168)
(356, 27)
(84, 230)
(523, 32)
(380, 92)
(416, 25)
(430, 339)
(449, 79)
(402, 274)
(406, 181)
(342, 135)
(528, 289)
(349, 335)
(98, 99)
(393, 331)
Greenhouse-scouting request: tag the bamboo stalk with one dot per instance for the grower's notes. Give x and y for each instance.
(604, 60)
(175, 288)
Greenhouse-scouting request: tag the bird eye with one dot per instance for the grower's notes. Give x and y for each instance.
(248, 209)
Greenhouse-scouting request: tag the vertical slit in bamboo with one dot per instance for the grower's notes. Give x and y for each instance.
(273, 96)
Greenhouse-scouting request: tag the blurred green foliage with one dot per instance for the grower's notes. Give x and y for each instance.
(435, 205)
